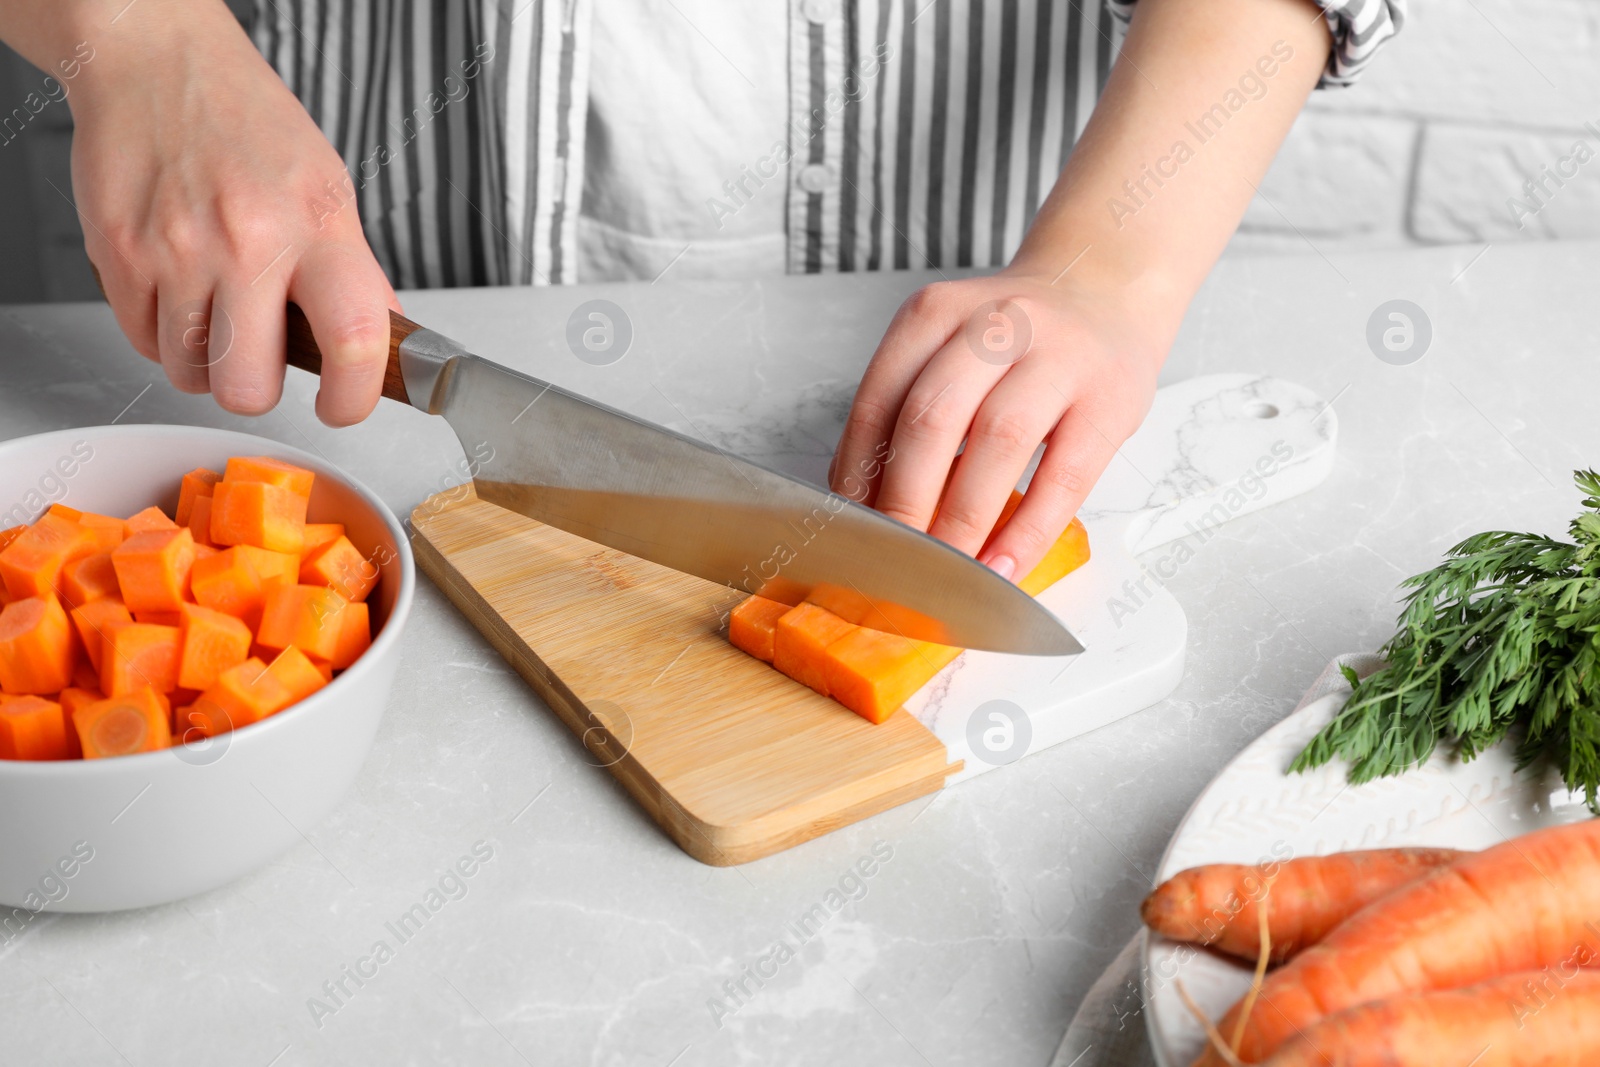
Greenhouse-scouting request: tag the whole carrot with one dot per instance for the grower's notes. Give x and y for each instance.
(1306, 897)
(1545, 1018)
(1529, 903)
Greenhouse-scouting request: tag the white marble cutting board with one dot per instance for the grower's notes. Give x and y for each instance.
(1212, 448)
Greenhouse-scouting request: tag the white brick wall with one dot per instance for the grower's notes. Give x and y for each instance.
(1471, 101)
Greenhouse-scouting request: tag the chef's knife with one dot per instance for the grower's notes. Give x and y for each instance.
(610, 477)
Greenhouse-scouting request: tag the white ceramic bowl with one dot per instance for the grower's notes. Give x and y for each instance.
(102, 835)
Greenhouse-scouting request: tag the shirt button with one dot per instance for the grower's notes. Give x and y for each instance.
(816, 177)
(820, 10)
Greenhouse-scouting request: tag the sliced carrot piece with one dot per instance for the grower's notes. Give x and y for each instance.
(10, 535)
(800, 644)
(200, 519)
(36, 647)
(108, 532)
(340, 566)
(848, 604)
(873, 673)
(245, 694)
(753, 625)
(96, 619)
(64, 512)
(258, 513)
(317, 535)
(308, 617)
(151, 518)
(138, 721)
(1070, 552)
(153, 569)
(297, 480)
(196, 484)
(139, 655)
(211, 643)
(90, 578)
(74, 699)
(355, 637)
(32, 728)
(32, 563)
(297, 673)
(235, 581)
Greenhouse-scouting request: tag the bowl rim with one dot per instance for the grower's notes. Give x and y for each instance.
(265, 446)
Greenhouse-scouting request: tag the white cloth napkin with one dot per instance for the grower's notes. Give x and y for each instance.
(1109, 1027)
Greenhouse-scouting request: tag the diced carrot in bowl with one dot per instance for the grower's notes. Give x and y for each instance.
(96, 619)
(298, 675)
(306, 616)
(340, 566)
(297, 480)
(151, 518)
(32, 728)
(36, 647)
(247, 693)
(211, 642)
(139, 721)
(153, 569)
(355, 635)
(139, 655)
(260, 514)
(319, 534)
(31, 564)
(91, 578)
(196, 485)
(235, 581)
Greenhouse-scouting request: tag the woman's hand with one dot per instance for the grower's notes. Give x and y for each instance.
(1001, 364)
(210, 199)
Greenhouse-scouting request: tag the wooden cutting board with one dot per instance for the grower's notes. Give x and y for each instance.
(737, 762)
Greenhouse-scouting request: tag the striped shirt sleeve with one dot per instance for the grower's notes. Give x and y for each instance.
(1359, 27)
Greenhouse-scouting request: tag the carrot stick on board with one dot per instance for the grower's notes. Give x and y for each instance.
(1216, 904)
(1527, 904)
(1550, 1018)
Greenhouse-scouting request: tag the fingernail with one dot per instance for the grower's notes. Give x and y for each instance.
(1004, 566)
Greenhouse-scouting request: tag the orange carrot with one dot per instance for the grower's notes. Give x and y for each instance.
(800, 643)
(340, 566)
(1307, 896)
(10, 535)
(873, 673)
(196, 484)
(1523, 905)
(298, 675)
(242, 695)
(304, 616)
(210, 642)
(1070, 551)
(297, 480)
(36, 647)
(138, 721)
(32, 728)
(235, 581)
(355, 636)
(753, 625)
(258, 513)
(33, 561)
(62, 511)
(319, 534)
(96, 619)
(151, 518)
(1548, 1018)
(89, 578)
(106, 531)
(139, 655)
(74, 699)
(200, 520)
(153, 569)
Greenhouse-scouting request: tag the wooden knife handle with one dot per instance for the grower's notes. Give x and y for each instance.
(304, 353)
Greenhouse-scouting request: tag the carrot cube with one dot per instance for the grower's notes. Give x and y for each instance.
(196, 484)
(200, 520)
(297, 480)
(308, 617)
(153, 569)
(244, 694)
(64, 512)
(211, 643)
(138, 721)
(36, 647)
(340, 566)
(258, 513)
(32, 563)
(90, 578)
(297, 673)
(96, 619)
(139, 655)
(107, 532)
(753, 625)
(873, 673)
(10, 535)
(319, 534)
(235, 581)
(151, 518)
(32, 728)
(1070, 552)
(801, 640)
(355, 635)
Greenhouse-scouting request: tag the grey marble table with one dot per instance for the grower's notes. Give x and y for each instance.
(588, 938)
